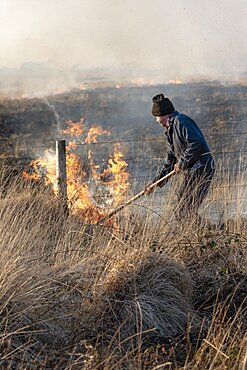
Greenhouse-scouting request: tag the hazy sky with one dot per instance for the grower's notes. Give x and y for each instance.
(173, 37)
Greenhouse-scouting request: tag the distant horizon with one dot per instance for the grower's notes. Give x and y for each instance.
(153, 40)
(112, 70)
(39, 79)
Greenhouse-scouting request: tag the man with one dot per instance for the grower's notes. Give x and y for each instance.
(188, 153)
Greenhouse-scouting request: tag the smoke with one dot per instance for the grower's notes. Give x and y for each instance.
(56, 115)
(156, 39)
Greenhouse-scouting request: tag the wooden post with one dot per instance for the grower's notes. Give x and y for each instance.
(61, 170)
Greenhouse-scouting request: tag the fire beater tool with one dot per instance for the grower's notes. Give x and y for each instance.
(137, 196)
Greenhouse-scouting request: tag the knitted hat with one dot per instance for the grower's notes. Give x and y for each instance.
(161, 106)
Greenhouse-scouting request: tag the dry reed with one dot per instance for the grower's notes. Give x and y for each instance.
(152, 295)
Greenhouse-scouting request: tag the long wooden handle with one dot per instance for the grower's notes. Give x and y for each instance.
(123, 205)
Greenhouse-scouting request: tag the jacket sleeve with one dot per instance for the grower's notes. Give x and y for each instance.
(193, 144)
(166, 168)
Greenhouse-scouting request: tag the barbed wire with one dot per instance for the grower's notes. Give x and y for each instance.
(144, 139)
(134, 158)
(7, 136)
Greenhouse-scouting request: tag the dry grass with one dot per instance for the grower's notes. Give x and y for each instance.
(151, 296)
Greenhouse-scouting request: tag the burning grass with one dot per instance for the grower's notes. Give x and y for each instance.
(143, 297)
(88, 192)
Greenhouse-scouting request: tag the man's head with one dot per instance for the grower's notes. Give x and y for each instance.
(162, 109)
(164, 121)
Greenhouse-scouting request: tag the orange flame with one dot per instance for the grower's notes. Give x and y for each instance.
(89, 194)
(75, 128)
(117, 167)
(48, 161)
(175, 82)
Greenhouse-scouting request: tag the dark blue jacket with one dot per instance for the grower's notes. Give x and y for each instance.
(186, 145)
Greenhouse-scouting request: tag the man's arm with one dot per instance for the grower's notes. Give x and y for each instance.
(194, 144)
(165, 169)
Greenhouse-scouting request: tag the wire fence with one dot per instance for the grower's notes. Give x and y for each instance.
(143, 163)
(135, 154)
(10, 149)
(232, 161)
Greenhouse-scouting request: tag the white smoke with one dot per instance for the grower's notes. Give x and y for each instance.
(155, 39)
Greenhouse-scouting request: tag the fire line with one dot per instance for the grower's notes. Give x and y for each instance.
(91, 192)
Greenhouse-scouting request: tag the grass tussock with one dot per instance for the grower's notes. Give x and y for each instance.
(148, 296)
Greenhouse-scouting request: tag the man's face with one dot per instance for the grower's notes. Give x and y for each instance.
(163, 120)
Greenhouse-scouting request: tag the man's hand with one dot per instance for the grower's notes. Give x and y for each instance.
(177, 167)
(148, 190)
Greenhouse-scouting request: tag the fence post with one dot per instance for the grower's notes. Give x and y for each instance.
(61, 170)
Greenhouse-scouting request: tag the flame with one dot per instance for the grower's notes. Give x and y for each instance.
(117, 167)
(92, 138)
(21, 96)
(89, 194)
(74, 128)
(83, 86)
(175, 82)
(48, 161)
(59, 90)
(142, 82)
